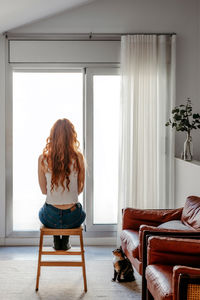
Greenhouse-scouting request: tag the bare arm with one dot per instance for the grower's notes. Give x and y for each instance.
(81, 175)
(41, 177)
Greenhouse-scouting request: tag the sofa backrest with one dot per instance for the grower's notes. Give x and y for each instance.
(191, 212)
(133, 218)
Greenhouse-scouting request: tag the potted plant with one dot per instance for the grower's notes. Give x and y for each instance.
(184, 120)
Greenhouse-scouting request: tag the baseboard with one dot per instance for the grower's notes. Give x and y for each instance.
(89, 241)
(2, 241)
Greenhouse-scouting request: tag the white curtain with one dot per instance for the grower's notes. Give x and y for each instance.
(146, 172)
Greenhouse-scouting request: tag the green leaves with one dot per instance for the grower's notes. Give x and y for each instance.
(177, 117)
(196, 116)
(175, 110)
(183, 119)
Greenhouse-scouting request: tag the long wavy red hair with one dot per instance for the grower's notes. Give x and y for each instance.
(62, 149)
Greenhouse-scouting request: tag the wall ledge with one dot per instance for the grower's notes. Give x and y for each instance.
(193, 162)
(187, 174)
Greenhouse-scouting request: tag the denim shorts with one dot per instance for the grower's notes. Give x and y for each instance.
(53, 217)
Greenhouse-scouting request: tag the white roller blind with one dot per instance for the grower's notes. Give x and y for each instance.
(64, 51)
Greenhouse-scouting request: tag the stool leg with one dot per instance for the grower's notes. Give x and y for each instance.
(39, 261)
(83, 261)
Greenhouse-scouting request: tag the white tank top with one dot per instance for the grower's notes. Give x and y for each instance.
(59, 197)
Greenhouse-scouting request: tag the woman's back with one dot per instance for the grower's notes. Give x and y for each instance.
(58, 196)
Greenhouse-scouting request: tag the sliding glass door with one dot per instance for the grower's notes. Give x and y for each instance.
(90, 99)
(39, 99)
(102, 127)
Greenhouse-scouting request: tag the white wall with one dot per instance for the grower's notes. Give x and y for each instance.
(122, 16)
(2, 137)
(187, 176)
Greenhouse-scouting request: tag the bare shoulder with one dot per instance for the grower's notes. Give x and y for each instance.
(81, 158)
(40, 158)
(41, 167)
(80, 155)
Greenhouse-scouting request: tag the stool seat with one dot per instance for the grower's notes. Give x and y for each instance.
(51, 231)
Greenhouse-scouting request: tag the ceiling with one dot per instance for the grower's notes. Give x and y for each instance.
(15, 13)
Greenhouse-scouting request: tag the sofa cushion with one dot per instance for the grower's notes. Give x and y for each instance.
(159, 281)
(174, 225)
(130, 241)
(191, 213)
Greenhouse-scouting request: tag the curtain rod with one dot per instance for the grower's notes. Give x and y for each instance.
(75, 36)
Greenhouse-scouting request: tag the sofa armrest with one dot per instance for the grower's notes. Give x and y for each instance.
(142, 229)
(148, 231)
(182, 276)
(132, 218)
(173, 251)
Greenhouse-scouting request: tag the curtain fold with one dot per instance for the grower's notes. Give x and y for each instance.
(146, 153)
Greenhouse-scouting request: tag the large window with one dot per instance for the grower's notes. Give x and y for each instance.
(91, 102)
(102, 126)
(105, 149)
(39, 99)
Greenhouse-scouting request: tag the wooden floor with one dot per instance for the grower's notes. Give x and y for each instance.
(18, 265)
(31, 253)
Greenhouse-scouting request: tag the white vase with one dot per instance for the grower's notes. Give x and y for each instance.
(188, 148)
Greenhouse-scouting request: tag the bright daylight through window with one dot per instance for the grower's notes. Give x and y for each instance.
(39, 99)
(106, 142)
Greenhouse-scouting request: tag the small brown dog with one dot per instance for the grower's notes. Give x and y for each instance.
(123, 270)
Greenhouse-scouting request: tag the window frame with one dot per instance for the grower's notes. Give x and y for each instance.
(87, 70)
(89, 148)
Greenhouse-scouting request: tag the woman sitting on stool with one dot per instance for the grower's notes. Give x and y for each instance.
(61, 174)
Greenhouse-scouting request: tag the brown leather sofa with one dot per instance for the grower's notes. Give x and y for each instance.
(173, 269)
(140, 224)
(135, 222)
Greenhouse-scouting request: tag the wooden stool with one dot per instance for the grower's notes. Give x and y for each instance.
(50, 231)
